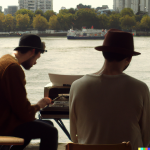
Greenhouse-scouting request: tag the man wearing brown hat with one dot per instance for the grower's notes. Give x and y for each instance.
(17, 114)
(110, 107)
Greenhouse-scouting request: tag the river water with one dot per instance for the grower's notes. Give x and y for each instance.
(74, 57)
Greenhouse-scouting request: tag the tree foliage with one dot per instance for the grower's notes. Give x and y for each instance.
(103, 21)
(85, 17)
(8, 22)
(39, 12)
(114, 21)
(40, 23)
(145, 23)
(54, 23)
(2, 16)
(26, 11)
(127, 11)
(128, 23)
(65, 20)
(48, 14)
(22, 21)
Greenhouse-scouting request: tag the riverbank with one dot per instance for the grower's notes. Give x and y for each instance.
(39, 34)
(61, 146)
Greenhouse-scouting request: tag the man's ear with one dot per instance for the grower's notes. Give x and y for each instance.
(33, 52)
(129, 59)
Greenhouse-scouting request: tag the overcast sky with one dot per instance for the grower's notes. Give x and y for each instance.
(57, 4)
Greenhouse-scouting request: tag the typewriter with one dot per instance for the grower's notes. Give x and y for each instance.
(58, 90)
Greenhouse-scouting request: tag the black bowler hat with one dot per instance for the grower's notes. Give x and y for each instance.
(30, 41)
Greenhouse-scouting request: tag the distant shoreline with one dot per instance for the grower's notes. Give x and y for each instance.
(39, 34)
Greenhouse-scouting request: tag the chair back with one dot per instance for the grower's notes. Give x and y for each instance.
(120, 146)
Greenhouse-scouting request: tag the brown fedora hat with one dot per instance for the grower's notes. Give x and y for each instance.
(118, 41)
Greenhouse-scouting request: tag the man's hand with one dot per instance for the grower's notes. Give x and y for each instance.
(44, 101)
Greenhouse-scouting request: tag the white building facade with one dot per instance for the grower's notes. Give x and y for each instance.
(34, 5)
(135, 5)
(1, 8)
(118, 5)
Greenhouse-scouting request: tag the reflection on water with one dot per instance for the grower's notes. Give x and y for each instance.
(74, 57)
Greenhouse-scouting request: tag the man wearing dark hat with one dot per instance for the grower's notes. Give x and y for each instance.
(109, 106)
(17, 114)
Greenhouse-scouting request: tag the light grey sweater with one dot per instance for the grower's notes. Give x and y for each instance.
(110, 109)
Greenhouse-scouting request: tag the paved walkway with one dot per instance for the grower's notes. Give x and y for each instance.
(61, 146)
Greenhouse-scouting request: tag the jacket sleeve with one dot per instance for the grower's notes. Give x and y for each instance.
(145, 119)
(15, 92)
(73, 119)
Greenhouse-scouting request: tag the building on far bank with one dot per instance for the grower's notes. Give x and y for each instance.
(34, 5)
(103, 7)
(12, 10)
(136, 5)
(104, 11)
(62, 8)
(1, 8)
(118, 5)
(5, 11)
(45, 5)
(30, 5)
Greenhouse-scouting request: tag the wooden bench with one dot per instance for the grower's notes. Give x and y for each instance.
(9, 140)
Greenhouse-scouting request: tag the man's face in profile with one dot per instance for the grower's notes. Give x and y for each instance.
(31, 61)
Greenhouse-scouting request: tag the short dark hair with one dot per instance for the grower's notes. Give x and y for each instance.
(26, 49)
(111, 56)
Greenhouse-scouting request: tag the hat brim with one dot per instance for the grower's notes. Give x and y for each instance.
(29, 47)
(117, 50)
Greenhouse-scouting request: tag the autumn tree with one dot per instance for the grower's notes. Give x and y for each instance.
(40, 23)
(128, 22)
(127, 11)
(39, 12)
(65, 20)
(26, 11)
(48, 14)
(103, 21)
(53, 23)
(23, 21)
(86, 17)
(2, 16)
(114, 21)
(63, 11)
(72, 10)
(145, 23)
(8, 22)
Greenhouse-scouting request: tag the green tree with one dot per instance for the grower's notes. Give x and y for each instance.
(48, 14)
(65, 20)
(63, 11)
(40, 23)
(53, 23)
(26, 11)
(72, 10)
(8, 22)
(103, 21)
(86, 17)
(127, 11)
(127, 22)
(138, 26)
(114, 21)
(145, 23)
(39, 12)
(23, 21)
(138, 18)
(2, 16)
